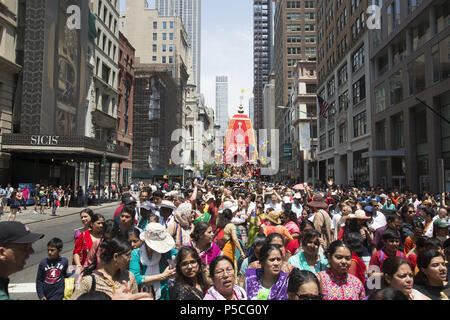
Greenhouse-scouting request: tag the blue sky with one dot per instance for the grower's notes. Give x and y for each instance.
(227, 49)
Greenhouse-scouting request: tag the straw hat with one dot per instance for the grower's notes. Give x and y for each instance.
(318, 202)
(157, 238)
(229, 205)
(274, 217)
(359, 214)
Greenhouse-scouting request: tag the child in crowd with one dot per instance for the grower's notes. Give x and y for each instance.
(51, 272)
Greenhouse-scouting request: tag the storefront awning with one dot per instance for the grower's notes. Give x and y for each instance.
(53, 145)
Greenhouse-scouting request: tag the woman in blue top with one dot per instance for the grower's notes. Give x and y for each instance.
(154, 263)
(309, 258)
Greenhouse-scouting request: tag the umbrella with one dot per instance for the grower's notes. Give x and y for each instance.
(299, 187)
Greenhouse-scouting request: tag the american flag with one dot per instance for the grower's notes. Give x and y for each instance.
(324, 107)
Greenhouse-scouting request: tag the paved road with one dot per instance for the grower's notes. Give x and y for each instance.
(22, 284)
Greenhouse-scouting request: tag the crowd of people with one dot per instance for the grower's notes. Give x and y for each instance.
(235, 173)
(251, 241)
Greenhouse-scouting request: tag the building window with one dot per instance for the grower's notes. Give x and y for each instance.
(343, 135)
(359, 124)
(293, 27)
(294, 39)
(358, 59)
(420, 34)
(399, 51)
(163, 59)
(331, 87)
(359, 90)
(330, 168)
(413, 5)
(343, 101)
(170, 36)
(155, 25)
(293, 5)
(154, 58)
(171, 24)
(380, 98)
(416, 75)
(170, 59)
(397, 127)
(164, 48)
(155, 36)
(331, 138)
(342, 75)
(380, 142)
(396, 87)
(293, 16)
(164, 36)
(323, 142)
(154, 48)
(164, 24)
(442, 16)
(170, 47)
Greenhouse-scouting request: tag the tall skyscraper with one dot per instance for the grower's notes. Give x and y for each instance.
(294, 41)
(222, 103)
(343, 79)
(190, 12)
(262, 55)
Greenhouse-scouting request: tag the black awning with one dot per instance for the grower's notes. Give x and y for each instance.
(79, 148)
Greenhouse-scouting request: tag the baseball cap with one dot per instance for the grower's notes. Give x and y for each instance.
(17, 232)
(129, 200)
(147, 205)
(440, 223)
(368, 209)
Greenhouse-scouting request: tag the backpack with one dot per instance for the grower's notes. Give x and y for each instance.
(218, 238)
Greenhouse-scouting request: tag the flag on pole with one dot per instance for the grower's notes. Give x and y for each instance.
(324, 107)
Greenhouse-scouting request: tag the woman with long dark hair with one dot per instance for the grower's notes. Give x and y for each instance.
(431, 279)
(114, 275)
(399, 275)
(87, 239)
(336, 283)
(226, 236)
(268, 282)
(190, 282)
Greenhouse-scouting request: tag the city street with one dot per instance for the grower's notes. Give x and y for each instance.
(22, 284)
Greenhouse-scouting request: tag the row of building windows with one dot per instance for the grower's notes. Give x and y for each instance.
(164, 24)
(163, 36)
(164, 59)
(164, 48)
(359, 129)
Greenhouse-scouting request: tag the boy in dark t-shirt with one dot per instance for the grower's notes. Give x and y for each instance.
(51, 273)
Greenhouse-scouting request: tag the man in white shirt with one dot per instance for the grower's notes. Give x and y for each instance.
(274, 204)
(378, 218)
(297, 206)
(442, 214)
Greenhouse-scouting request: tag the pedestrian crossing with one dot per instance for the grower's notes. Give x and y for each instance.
(22, 287)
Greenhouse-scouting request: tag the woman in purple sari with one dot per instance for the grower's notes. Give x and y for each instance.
(268, 282)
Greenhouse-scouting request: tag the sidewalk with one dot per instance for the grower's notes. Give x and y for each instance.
(28, 217)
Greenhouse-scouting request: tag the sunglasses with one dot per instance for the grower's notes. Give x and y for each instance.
(309, 297)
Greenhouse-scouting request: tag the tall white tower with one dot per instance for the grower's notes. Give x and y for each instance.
(222, 103)
(190, 12)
